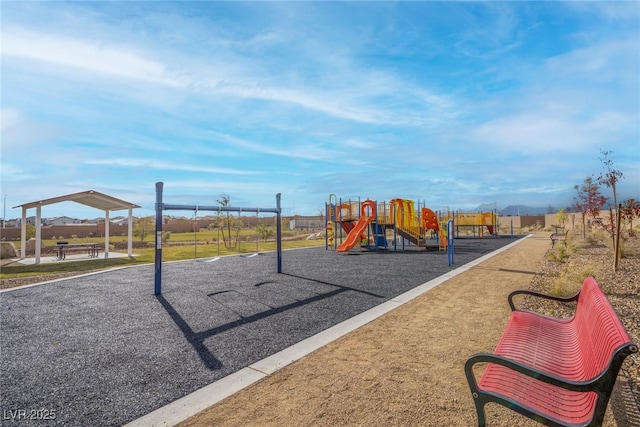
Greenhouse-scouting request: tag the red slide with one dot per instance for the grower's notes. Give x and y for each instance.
(356, 233)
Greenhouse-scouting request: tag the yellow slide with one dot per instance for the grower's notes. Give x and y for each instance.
(355, 235)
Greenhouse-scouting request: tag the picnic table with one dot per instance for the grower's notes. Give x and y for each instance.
(63, 248)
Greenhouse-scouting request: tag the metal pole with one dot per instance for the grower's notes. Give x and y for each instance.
(279, 233)
(450, 242)
(158, 252)
(4, 211)
(326, 226)
(617, 245)
(393, 211)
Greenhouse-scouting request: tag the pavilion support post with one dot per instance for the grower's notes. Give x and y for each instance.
(130, 234)
(38, 233)
(106, 234)
(23, 234)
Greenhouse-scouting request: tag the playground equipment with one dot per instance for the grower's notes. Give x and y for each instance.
(340, 219)
(430, 221)
(399, 217)
(476, 221)
(356, 235)
(160, 207)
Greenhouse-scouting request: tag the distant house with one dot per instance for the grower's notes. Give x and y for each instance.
(61, 220)
(119, 220)
(30, 220)
(11, 223)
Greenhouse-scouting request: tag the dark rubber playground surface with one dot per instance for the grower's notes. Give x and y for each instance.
(103, 350)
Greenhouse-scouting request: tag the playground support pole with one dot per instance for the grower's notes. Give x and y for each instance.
(392, 213)
(158, 251)
(339, 225)
(326, 226)
(450, 242)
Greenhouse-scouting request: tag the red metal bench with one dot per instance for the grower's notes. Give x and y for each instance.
(559, 372)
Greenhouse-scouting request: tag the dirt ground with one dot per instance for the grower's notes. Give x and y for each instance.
(403, 369)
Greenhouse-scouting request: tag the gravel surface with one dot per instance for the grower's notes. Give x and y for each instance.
(561, 272)
(103, 350)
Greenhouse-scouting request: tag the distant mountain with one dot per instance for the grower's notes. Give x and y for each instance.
(515, 210)
(486, 207)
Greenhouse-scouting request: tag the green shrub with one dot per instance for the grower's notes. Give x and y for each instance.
(595, 237)
(559, 253)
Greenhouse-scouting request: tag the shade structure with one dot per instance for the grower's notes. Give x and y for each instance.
(89, 198)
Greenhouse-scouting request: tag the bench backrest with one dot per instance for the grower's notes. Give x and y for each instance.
(599, 329)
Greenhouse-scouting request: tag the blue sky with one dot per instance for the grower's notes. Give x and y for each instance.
(454, 103)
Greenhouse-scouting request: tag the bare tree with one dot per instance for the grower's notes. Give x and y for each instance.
(610, 176)
(228, 221)
(225, 219)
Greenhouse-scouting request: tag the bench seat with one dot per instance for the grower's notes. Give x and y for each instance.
(558, 371)
(558, 236)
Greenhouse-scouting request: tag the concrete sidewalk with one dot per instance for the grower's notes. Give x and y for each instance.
(30, 260)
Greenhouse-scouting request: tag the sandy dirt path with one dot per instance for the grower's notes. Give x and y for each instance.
(403, 369)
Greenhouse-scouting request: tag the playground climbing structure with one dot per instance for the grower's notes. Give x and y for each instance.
(474, 223)
(372, 224)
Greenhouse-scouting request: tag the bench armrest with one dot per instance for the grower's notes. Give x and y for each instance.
(540, 295)
(579, 386)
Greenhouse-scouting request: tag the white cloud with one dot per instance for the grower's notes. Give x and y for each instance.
(613, 10)
(235, 76)
(542, 131)
(9, 117)
(605, 61)
(19, 132)
(302, 151)
(359, 144)
(166, 166)
(91, 56)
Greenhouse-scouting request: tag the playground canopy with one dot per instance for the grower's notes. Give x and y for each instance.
(89, 198)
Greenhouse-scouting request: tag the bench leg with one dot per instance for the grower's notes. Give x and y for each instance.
(478, 399)
(480, 412)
